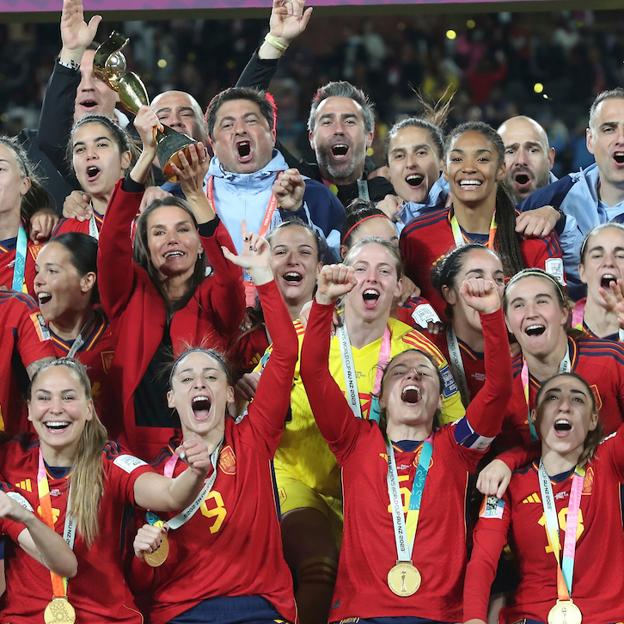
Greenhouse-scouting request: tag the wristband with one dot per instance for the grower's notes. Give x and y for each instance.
(276, 43)
(69, 64)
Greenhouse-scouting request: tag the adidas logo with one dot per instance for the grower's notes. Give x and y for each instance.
(24, 485)
(533, 498)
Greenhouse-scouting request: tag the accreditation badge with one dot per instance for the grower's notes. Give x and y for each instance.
(59, 611)
(404, 579)
(565, 612)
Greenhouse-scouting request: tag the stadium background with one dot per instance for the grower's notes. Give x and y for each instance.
(547, 64)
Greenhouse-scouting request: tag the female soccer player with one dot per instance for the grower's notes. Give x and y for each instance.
(562, 515)
(66, 288)
(306, 470)
(101, 152)
(390, 567)
(415, 154)
(225, 562)
(296, 259)
(178, 290)
(462, 340)
(82, 485)
(602, 269)
(20, 196)
(537, 315)
(365, 220)
(481, 212)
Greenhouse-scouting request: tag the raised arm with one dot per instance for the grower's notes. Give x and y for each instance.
(268, 409)
(485, 412)
(331, 410)
(57, 110)
(116, 268)
(288, 20)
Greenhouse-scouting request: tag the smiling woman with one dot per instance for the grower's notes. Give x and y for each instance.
(87, 482)
(537, 314)
(167, 292)
(481, 212)
(67, 291)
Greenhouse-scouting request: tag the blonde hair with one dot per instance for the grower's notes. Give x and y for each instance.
(87, 474)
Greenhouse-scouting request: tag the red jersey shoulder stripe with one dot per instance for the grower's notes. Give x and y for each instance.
(425, 221)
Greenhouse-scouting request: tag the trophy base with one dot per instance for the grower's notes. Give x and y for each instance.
(168, 148)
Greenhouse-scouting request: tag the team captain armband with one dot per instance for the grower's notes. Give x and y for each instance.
(466, 436)
(129, 463)
(492, 507)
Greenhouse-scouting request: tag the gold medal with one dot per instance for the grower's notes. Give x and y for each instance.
(158, 556)
(404, 579)
(565, 612)
(59, 611)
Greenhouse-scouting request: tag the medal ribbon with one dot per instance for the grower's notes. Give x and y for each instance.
(250, 289)
(186, 514)
(59, 583)
(565, 567)
(457, 365)
(19, 267)
(93, 228)
(564, 367)
(349, 372)
(405, 530)
(362, 187)
(460, 239)
(268, 215)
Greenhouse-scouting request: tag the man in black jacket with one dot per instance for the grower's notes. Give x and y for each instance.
(341, 122)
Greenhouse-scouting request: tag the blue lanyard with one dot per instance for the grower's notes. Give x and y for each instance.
(19, 267)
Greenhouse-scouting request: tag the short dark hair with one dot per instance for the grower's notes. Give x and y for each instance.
(263, 99)
(345, 89)
(617, 93)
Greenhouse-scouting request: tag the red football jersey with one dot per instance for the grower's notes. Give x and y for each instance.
(96, 354)
(598, 584)
(599, 362)
(474, 364)
(428, 238)
(98, 592)
(7, 263)
(232, 546)
(368, 549)
(22, 333)
(73, 225)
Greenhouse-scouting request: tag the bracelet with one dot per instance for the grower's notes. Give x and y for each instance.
(276, 43)
(69, 63)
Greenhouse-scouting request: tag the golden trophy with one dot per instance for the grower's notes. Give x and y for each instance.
(109, 64)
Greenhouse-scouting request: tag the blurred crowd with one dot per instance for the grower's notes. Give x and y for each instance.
(494, 60)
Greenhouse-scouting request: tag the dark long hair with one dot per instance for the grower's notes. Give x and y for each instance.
(506, 240)
(82, 250)
(142, 254)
